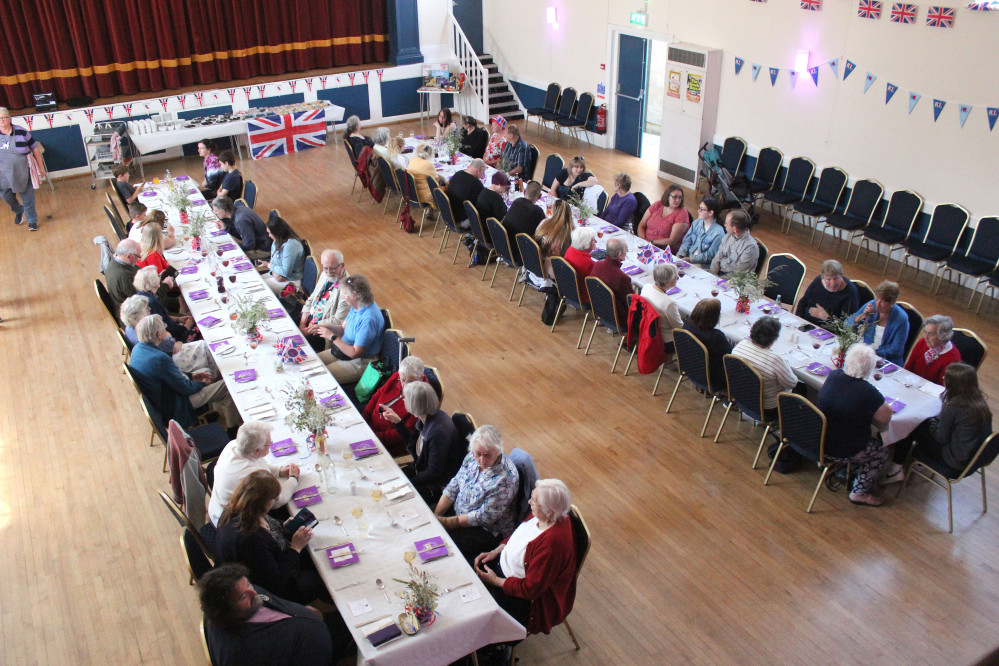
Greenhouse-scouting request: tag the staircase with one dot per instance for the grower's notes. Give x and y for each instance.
(501, 99)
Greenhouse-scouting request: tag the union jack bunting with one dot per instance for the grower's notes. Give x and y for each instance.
(287, 133)
(902, 12)
(164, 101)
(308, 82)
(246, 91)
(90, 115)
(379, 72)
(990, 6)
(128, 109)
(262, 90)
(29, 120)
(293, 84)
(869, 9)
(200, 96)
(183, 101)
(759, 0)
(51, 118)
(365, 74)
(322, 79)
(350, 76)
(940, 17)
(811, 5)
(110, 111)
(232, 95)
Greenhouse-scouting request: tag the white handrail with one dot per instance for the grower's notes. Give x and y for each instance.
(476, 75)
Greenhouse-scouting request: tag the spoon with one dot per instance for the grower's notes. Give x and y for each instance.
(392, 518)
(339, 523)
(380, 584)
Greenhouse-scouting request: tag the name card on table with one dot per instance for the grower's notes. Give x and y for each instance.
(188, 270)
(198, 202)
(215, 346)
(896, 405)
(243, 266)
(307, 496)
(243, 376)
(341, 556)
(225, 247)
(633, 270)
(283, 448)
(182, 178)
(820, 333)
(148, 195)
(818, 369)
(276, 313)
(217, 232)
(431, 549)
(209, 321)
(674, 290)
(889, 368)
(364, 448)
(199, 295)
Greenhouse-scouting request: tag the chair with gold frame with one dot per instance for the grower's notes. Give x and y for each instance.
(434, 379)
(983, 457)
(447, 217)
(825, 200)
(530, 254)
(201, 625)
(199, 556)
(979, 259)
(939, 242)
(803, 429)
(900, 218)
(501, 245)
(745, 393)
(973, 349)
(568, 289)
(604, 304)
(692, 364)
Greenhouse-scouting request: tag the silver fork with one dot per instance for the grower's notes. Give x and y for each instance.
(416, 527)
(448, 590)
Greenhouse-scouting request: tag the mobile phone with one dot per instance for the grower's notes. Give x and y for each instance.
(804, 328)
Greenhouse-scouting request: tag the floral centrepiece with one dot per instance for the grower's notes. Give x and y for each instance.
(178, 198)
(307, 413)
(748, 287)
(847, 335)
(451, 142)
(249, 314)
(585, 210)
(420, 595)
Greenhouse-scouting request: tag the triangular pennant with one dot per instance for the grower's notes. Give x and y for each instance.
(913, 100)
(774, 71)
(739, 62)
(834, 64)
(890, 92)
(938, 105)
(868, 81)
(848, 70)
(756, 71)
(993, 114)
(794, 77)
(963, 111)
(814, 71)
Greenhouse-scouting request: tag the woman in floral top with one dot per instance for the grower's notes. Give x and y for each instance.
(477, 507)
(213, 168)
(497, 141)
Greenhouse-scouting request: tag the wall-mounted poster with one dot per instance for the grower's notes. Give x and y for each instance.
(673, 84)
(694, 88)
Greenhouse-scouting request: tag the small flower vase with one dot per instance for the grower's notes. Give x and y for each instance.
(426, 616)
(837, 357)
(196, 244)
(454, 158)
(254, 335)
(742, 305)
(317, 442)
(183, 217)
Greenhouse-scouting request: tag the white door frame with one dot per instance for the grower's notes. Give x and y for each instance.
(613, 31)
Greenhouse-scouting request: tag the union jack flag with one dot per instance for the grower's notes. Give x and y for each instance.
(288, 133)
(128, 109)
(759, 0)
(365, 74)
(902, 12)
(110, 111)
(232, 95)
(200, 96)
(262, 90)
(164, 101)
(989, 6)
(869, 9)
(308, 82)
(90, 115)
(322, 79)
(940, 17)
(51, 118)
(350, 76)
(183, 101)
(29, 120)
(246, 91)
(379, 72)
(293, 84)
(811, 5)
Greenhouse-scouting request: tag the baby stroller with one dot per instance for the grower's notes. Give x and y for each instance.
(716, 177)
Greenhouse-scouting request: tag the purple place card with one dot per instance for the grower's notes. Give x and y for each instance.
(215, 346)
(889, 368)
(192, 191)
(293, 338)
(217, 232)
(722, 283)
(333, 401)
(188, 270)
(276, 313)
(198, 202)
(674, 290)
(243, 376)
(633, 270)
(198, 295)
(182, 178)
(820, 333)
(610, 229)
(209, 321)
(283, 448)
(364, 448)
(243, 266)
(148, 195)
(225, 247)
(818, 369)
(307, 496)
(418, 137)
(896, 405)
(338, 558)
(431, 549)
(681, 264)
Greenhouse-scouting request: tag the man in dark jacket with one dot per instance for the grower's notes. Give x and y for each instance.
(609, 270)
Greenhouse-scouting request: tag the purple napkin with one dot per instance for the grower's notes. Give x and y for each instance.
(817, 368)
(418, 136)
(217, 232)
(674, 290)
(197, 202)
(283, 448)
(681, 264)
(225, 247)
(333, 401)
(820, 333)
(307, 496)
(610, 229)
(243, 376)
(632, 270)
(198, 295)
(766, 305)
(188, 270)
(431, 549)
(243, 266)
(192, 192)
(896, 405)
(293, 338)
(182, 178)
(148, 194)
(364, 448)
(889, 368)
(215, 346)
(276, 313)
(341, 550)
(209, 321)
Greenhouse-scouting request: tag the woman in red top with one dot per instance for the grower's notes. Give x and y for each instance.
(151, 244)
(535, 577)
(666, 221)
(934, 351)
(584, 240)
(387, 399)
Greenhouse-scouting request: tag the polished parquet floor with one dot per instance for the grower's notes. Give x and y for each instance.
(693, 559)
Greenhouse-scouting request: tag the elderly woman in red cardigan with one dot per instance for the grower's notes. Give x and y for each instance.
(386, 407)
(535, 576)
(934, 351)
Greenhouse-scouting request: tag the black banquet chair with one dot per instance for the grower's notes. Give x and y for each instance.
(761, 261)
(577, 123)
(786, 271)
(972, 348)
(860, 208)
(501, 246)
(903, 210)
(548, 106)
(413, 197)
(692, 364)
(825, 199)
(444, 210)
(530, 255)
(604, 306)
(553, 164)
(482, 239)
(796, 181)
(733, 154)
(532, 166)
(981, 257)
(939, 241)
(250, 193)
(568, 290)
(915, 326)
(768, 164)
(567, 102)
(803, 429)
(745, 393)
(393, 186)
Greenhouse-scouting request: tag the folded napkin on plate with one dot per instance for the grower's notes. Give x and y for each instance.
(398, 493)
(214, 346)
(333, 401)
(243, 266)
(889, 368)
(182, 178)
(820, 333)
(723, 283)
(148, 195)
(341, 556)
(364, 448)
(674, 290)
(633, 270)
(379, 633)
(276, 313)
(198, 202)
(198, 295)
(817, 368)
(431, 549)
(188, 270)
(896, 405)
(217, 232)
(245, 375)
(306, 496)
(209, 321)
(283, 448)
(225, 247)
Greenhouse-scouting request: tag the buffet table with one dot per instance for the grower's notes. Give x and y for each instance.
(370, 517)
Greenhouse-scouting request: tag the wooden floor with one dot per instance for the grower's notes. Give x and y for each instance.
(693, 559)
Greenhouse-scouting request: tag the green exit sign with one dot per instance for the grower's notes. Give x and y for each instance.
(638, 18)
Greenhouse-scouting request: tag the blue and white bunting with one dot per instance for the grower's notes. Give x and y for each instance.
(834, 65)
(868, 81)
(814, 71)
(794, 77)
(774, 71)
(739, 62)
(756, 70)
(938, 105)
(848, 70)
(890, 92)
(913, 100)
(963, 111)
(993, 114)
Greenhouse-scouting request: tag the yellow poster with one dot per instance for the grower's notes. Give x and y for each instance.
(694, 88)
(673, 84)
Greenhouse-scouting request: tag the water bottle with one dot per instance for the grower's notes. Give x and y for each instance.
(777, 303)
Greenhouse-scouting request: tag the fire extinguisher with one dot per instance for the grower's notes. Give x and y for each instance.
(602, 118)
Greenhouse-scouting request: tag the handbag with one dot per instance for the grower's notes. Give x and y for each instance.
(374, 376)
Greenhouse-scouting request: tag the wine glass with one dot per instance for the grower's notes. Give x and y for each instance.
(225, 262)
(409, 555)
(815, 345)
(219, 251)
(232, 278)
(714, 293)
(253, 344)
(376, 494)
(246, 358)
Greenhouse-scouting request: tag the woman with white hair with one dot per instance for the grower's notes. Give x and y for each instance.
(354, 137)
(421, 165)
(146, 282)
(664, 278)
(242, 456)
(852, 406)
(190, 357)
(434, 443)
(536, 567)
(934, 351)
(381, 139)
(477, 506)
(171, 391)
(584, 241)
(386, 411)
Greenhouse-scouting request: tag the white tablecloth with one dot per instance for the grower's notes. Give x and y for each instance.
(465, 623)
(153, 141)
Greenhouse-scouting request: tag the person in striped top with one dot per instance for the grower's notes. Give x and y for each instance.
(15, 145)
(777, 375)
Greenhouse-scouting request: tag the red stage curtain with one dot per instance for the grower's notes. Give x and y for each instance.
(102, 48)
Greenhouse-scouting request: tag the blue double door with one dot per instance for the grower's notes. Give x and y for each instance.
(632, 77)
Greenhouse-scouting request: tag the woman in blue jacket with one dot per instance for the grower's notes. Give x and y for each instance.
(705, 235)
(888, 324)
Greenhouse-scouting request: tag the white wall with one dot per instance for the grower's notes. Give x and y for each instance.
(834, 124)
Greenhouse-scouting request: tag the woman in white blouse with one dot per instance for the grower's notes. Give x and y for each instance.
(664, 278)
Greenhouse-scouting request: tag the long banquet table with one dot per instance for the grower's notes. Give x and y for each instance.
(383, 530)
